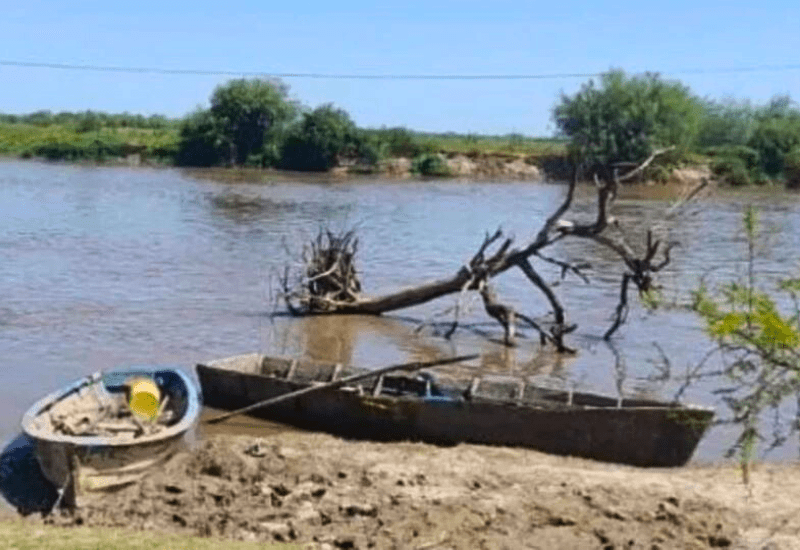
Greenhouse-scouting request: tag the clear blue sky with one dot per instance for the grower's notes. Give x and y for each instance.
(411, 36)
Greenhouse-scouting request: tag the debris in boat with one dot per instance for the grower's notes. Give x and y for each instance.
(257, 449)
(92, 411)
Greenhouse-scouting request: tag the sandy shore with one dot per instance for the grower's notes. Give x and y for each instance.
(322, 492)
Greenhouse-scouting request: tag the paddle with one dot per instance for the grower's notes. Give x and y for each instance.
(409, 367)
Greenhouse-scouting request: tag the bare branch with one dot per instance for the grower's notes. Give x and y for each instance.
(622, 308)
(541, 237)
(676, 208)
(567, 267)
(639, 169)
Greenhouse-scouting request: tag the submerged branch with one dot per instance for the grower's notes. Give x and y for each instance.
(330, 283)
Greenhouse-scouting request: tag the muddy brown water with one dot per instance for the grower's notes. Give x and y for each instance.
(106, 267)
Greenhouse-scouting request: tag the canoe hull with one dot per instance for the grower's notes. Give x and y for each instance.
(641, 436)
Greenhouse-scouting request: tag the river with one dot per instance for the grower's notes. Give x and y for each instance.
(103, 267)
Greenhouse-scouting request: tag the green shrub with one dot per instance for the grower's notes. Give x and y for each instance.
(748, 155)
(758, 336)
(199, 140)
(396, 142)
(57, 151)
(774, 137)
(369, 151)
(731, 170)
(89, 122)
(428, 164)
(726, 123)
(248, 114)
(625, 118)
(96, 150)
(657, 173)
(791, 167)
(324, 137)
(244, 125)
(165, 154)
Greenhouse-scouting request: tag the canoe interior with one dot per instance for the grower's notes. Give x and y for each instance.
(499, 410)
(423, 384)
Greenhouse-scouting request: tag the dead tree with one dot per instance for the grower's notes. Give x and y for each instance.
(330, 283)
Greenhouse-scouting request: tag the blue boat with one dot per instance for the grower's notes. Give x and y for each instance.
(81, 452)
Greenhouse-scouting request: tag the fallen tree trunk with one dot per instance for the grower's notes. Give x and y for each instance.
(406, 298)
(330, 284)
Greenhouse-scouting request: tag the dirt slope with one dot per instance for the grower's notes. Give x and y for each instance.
(324, 492)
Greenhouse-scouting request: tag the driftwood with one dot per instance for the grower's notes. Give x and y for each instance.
(331, 285)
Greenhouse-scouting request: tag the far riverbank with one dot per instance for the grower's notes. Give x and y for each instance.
(459, 166)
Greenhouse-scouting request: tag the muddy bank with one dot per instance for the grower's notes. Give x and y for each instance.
(323, 492)
(521, 167)
(478, 166)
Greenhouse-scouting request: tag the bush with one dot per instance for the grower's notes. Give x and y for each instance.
(429, 164)
(369, 152)
(396, 142)
(731, 170)
(58, 151)
(761, 137)
(199, 140)
(323, 139)
(243, 126)
(726, 123)
(774, 137)
(88, 122)
(747, 155)
(87, 150)
(657, 173)
(624, 119)
(758, 336)
(249, 115)
(791, 167)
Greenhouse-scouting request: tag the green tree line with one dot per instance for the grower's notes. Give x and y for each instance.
(622, 119)
(85, 121)
(609, 122)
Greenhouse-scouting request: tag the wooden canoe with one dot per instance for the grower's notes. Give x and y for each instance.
(495, 410)
(108, 456)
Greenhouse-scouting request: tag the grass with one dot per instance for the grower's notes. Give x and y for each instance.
(512, 144)
(22, 535)
(64, 141)
(24, 139)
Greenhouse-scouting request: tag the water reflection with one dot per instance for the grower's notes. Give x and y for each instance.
(244, 208)
(375, 341)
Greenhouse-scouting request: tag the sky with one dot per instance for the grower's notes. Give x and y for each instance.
(720, 49)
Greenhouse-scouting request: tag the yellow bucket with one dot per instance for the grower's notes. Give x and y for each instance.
(144, 397)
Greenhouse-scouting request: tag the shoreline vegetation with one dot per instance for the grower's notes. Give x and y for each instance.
(133, 140)
(609, 124)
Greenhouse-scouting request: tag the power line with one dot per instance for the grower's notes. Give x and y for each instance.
(385, 76)
(213, 72)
